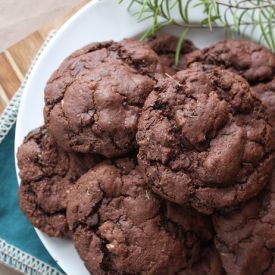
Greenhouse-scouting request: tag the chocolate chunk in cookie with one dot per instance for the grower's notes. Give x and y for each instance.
(252, 61)
(246, 236)
(165, 46)
(205, 140)
(93, 100)
(121, 227)
(46, 173)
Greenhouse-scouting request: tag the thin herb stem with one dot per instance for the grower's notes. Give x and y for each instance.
(239, 7)
(241, 16)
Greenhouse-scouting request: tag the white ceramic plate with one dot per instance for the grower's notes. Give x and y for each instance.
(97, 21)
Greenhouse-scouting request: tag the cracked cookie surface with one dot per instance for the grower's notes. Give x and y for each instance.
(121, 227)
(93, 100)
(46, 173)
(205, 140)
(165, 46)
(246, 236)
(266, 93)
(252, 61)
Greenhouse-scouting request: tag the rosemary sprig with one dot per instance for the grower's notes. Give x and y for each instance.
(241, 16)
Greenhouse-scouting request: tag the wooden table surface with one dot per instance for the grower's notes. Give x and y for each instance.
(16, 60)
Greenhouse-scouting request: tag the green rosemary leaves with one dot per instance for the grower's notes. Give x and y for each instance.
(237, 16)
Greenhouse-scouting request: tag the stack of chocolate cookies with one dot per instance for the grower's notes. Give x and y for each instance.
(153, 168)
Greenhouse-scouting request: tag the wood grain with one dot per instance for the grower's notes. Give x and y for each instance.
(9, 80)
(16, 60)
(24, 51)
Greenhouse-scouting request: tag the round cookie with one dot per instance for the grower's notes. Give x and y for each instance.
(121, 227)
(165, 46)
(205, 140)
(46, 173)
(93, 100)
(252, 61)
(246, 236)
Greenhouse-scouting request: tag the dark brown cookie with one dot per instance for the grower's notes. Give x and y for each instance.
(46, 173)
(121, 227)
(266, 92)
(251, 60)
(94, 99)
(165, 46)
(246, 236)
(205, 140)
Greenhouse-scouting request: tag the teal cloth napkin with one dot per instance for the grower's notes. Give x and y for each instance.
(20, 246)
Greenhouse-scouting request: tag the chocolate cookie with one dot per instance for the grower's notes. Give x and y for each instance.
(121, 227)
(93, 100)
(251, 60)
(205, 140)
(246, 235)
(266, 92)
(165, 46)
(46, 173)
